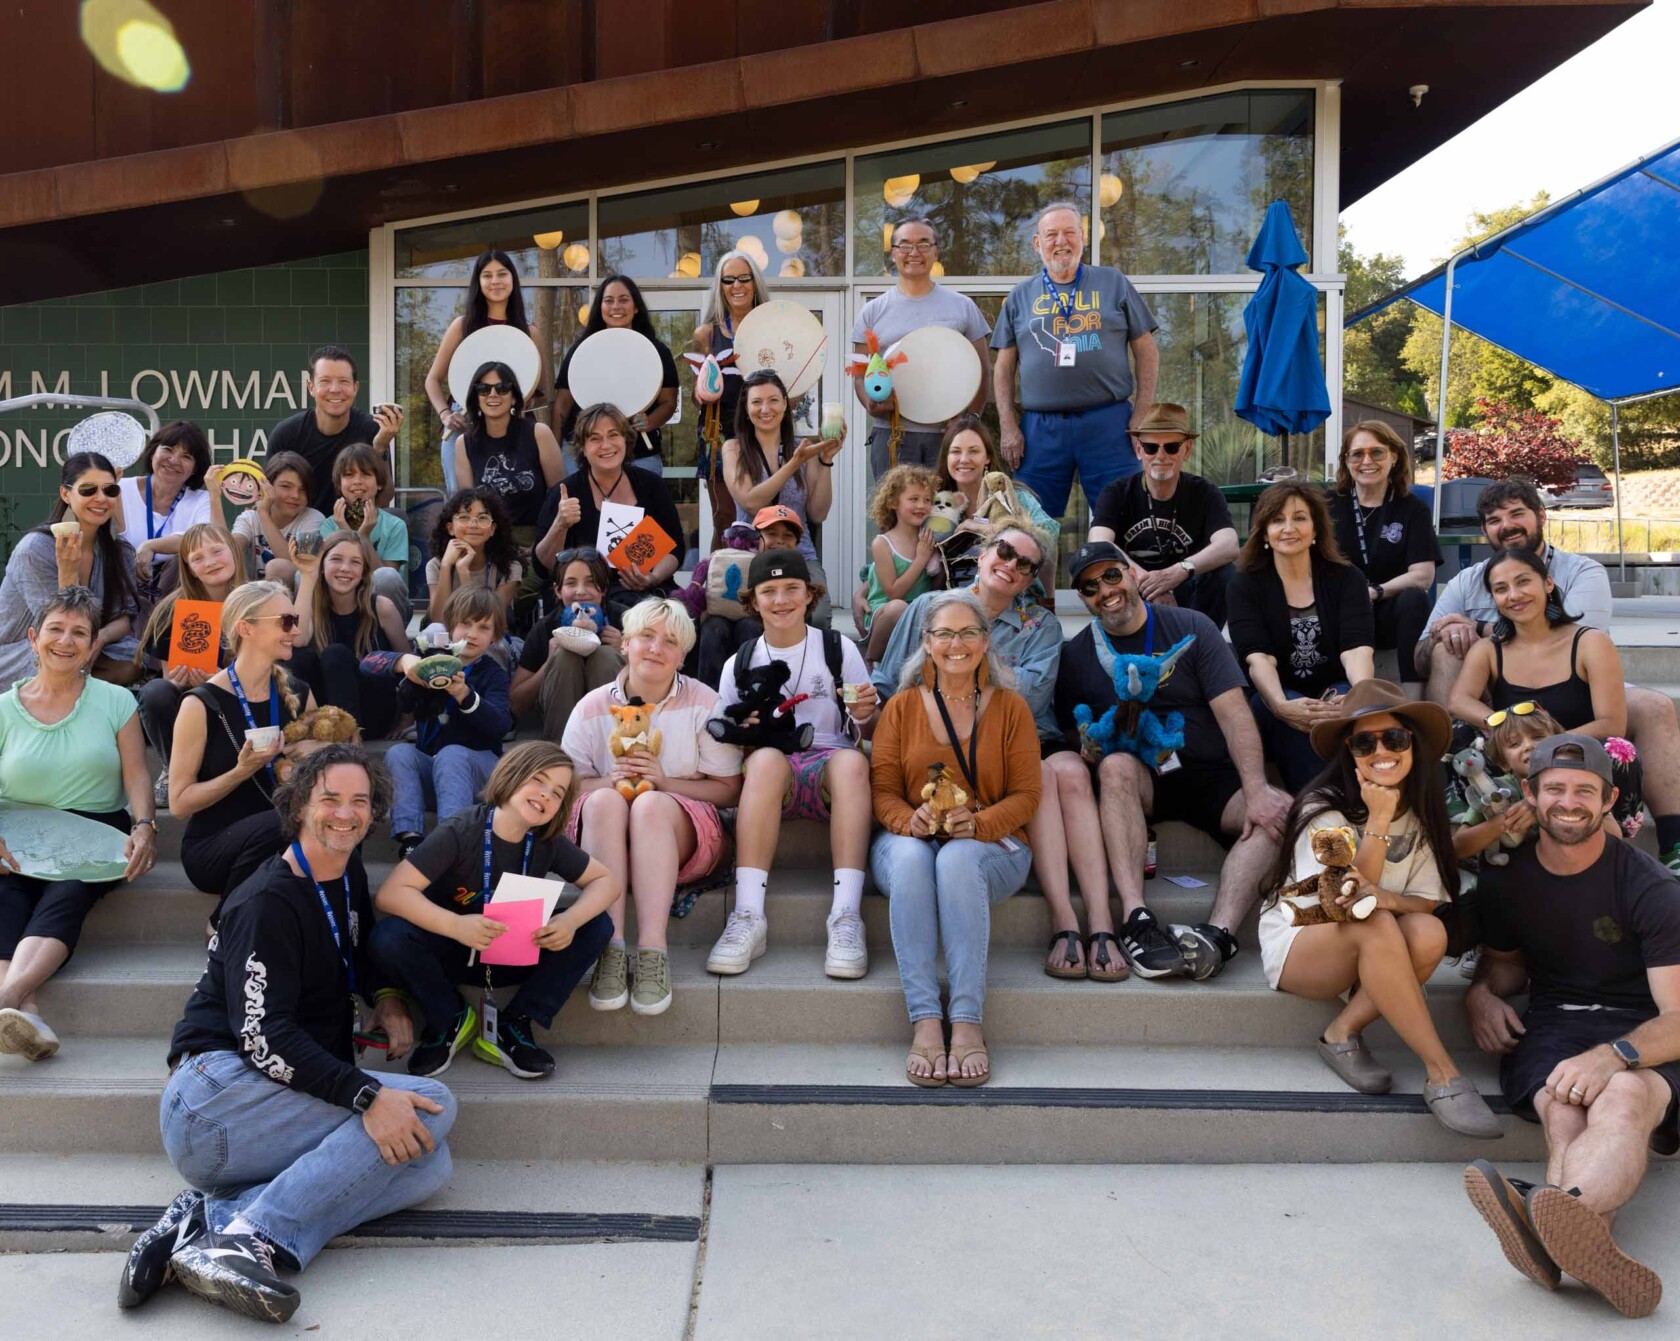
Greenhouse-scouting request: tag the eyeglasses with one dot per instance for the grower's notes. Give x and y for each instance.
(972, 636)
(1009, 554)
(490, 389)
(730, 281)
(1515, 710)
(288, 622)
(1395, 739)
(1170, 448)
(1368, 454)
(109, 490)
(920, 248)
(1109, 577)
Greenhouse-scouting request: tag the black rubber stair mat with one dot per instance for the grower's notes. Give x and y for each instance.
(1004, 1096)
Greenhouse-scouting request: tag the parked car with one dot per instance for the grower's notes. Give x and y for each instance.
(1590, 490)
(1423, 446)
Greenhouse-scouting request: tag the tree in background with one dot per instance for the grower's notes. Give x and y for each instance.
(1372, 369)
(1509, 440)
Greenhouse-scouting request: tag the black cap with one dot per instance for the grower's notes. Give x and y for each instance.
(771, 565)
(1570, 750)
(1093, 552)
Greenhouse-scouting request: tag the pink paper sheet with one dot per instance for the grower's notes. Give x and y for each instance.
(514, 948)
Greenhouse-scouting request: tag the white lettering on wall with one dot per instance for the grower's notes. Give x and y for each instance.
(38, 384)
(278, 389)
(197, 385)
(232, 395)
(163, 384)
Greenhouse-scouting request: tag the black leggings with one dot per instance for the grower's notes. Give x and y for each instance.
(218, 863)
(1401, 620)
(335, 676)
(54, 909)
(160, 705)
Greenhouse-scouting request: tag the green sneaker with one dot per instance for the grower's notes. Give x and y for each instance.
(653, 983)
(1671, 859)
(609, 989)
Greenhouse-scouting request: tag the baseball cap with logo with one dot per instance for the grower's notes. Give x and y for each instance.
(1571, 750)
(777, 512)
(771, 565)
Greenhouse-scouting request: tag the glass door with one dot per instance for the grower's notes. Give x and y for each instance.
(675, 313)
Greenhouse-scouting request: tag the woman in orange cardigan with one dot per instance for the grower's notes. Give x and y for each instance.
(943, 873)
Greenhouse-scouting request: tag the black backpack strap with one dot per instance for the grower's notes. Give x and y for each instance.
(834, 655)
(743, 664)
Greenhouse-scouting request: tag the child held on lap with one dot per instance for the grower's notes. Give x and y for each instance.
(904, 557)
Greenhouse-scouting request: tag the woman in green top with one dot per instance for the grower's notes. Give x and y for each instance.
(70, 742)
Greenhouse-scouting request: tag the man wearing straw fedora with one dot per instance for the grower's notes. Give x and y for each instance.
(1173, 525)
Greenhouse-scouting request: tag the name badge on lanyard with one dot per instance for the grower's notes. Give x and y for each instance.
(487, 1006)
(1067, 351)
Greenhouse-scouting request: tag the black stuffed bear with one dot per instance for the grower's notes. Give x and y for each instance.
(761, 692)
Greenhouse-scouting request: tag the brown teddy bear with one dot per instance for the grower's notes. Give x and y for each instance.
(942, 796)
(1333, 849)
(631, 735)
(319, 726)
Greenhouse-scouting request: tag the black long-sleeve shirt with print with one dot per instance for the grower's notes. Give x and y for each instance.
(275, 989)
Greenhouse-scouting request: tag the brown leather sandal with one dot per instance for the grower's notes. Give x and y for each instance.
(959, 1055)
(930, 1053)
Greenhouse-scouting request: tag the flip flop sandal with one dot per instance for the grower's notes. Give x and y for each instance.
(1070, 971)
(931, 1054)
(961, 1055)
(1103, 966)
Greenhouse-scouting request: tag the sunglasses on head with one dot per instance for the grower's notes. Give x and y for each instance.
(490, 388)
(1109, 577)
(1522, 709)
(1170, 448)
(1009, 554)
(1394, 739)
(109, 490)
(288, 622)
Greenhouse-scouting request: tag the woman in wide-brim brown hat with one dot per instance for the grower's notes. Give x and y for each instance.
(1382, 782)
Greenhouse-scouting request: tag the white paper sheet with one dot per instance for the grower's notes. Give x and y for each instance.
(513, 887)
(617, 521)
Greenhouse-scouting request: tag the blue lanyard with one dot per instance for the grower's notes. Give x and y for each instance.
(179, 495)
(1064, 301)
(245, 707)
(1148, 635)
(347, 956)
(524, 865)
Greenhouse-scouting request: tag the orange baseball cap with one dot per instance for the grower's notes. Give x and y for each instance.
(778, 512)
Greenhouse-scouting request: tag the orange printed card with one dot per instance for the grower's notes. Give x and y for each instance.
(642, 548)
(195, 635)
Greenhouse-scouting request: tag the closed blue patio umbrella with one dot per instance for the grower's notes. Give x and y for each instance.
(1282, 389)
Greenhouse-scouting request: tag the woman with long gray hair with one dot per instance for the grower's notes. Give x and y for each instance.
(955, 774)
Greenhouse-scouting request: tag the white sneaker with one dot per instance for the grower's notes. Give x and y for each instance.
(160, 789)
(745, 937)
(848, 956)
(1468, 961)
(21, 1032)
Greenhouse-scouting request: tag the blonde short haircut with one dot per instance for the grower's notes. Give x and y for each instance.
(640, 618)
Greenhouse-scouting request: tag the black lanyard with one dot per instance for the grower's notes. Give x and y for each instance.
(1359, 522)
(347, 956)
(971, 764)
(524, 865)
(245, 707)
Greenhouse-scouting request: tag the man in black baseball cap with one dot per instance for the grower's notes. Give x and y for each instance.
(1590, 925)
(1093, 814)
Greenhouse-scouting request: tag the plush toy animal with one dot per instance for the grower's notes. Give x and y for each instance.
(877, 368)
(998, 501)
(1485, 797)
(714, 591)
(942, 795)
(319, 726)
(634, 733)
(950, 506)
(776, 727)
(574, 638)
(1129, 727)
(1313, 901)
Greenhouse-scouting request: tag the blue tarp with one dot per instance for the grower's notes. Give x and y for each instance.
(1587, 289)
(1282, 387)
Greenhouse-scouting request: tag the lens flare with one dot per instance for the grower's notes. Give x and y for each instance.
(136, 44)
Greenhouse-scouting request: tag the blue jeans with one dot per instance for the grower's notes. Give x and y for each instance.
(301, 1170)
(453, 778)
(944, 893)
(1289, 749)
(1094, 441)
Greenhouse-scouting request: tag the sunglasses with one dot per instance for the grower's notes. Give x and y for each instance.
(288, 623)
(1109, 577)
(490, 389)
(1009, 554)
(1394, 739)
(109, 490)
(1170, 448)
(730, 281)
(1515, 710)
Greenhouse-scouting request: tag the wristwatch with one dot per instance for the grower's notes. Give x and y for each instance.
(365, 1097)
(1187, 566)
(1627, 1052)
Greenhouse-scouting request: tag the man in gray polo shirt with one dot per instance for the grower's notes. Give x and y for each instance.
(917, 300)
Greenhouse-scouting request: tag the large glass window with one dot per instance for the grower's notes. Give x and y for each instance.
(1184, 185)
(792, 222)
(558, 234)
(982, 195)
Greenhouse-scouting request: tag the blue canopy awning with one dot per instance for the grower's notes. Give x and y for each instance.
(1588, 289)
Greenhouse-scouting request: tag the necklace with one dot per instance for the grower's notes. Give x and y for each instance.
(606, 494)
(972, 696)
(804, 651)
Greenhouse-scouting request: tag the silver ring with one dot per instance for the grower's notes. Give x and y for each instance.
(1576, 1089)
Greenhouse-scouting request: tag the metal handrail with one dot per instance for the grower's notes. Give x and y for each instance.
(64, 400)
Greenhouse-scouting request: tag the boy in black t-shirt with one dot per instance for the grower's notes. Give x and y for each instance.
(1175, 527)
(436, 917)
(1591, 925)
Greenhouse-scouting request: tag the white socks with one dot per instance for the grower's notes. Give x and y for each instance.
(848, 892)
(749, 889)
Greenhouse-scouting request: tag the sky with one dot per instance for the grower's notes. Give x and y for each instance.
(1607, 106)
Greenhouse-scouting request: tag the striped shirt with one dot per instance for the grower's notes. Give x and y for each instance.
(686, 751)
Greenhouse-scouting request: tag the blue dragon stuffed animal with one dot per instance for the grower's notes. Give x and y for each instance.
(1129, 726)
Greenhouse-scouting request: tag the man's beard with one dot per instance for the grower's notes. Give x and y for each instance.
(1569, 836)
(1526, 540)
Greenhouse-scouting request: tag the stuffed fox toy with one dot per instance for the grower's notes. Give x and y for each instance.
(631, 734)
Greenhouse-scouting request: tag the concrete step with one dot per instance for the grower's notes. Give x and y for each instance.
(822, 1102)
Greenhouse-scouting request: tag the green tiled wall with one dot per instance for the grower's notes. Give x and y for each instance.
(208, 333)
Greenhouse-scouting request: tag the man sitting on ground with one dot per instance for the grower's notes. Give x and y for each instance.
(1216, 781)
(1174, 526)
(286, 1142)
(1591, 926)
(1513, 517)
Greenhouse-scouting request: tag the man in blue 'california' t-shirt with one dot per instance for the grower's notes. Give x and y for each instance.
(1073, 330)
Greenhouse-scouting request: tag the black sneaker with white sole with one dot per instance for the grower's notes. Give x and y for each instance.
(237, 1272)
(1206, 949)
(434, 1052)
(1150, 950)
(147, 1270)
(515, 1050)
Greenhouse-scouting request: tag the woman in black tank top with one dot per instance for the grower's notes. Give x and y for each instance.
(516, 457)
(1538, 653)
